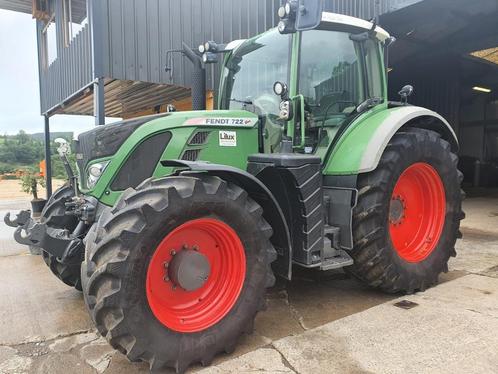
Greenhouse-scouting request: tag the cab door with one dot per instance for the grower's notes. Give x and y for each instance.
(335, 74)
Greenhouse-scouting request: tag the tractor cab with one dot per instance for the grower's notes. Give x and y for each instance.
(307, 85)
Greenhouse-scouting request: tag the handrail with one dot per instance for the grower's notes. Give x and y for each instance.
(303, 122)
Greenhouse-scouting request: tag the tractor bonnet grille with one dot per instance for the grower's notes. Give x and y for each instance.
(191, 154)
(104, 141)
(199, 138)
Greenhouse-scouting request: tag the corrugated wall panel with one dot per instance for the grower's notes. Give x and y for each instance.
(366, 9)
(140, 32)
(135, 35)
(130, 50)
(70, 71)
(153, 47)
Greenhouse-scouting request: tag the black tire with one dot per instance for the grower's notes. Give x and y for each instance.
(119, 248)
(54, 216)
(376, 261)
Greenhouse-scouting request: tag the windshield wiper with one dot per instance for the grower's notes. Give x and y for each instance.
(367, 104)
(247, 102)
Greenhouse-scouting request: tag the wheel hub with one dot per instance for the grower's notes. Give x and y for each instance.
(189, 287)
(189, 269)
(417, 212)
(397, 210)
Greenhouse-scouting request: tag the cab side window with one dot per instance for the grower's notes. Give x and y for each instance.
(374, 69)
(329, 73)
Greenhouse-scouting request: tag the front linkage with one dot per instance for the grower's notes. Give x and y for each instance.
(65, 245)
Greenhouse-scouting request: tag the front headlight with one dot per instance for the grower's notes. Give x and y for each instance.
(94, 173)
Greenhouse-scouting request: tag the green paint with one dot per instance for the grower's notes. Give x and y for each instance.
(347, 154)
(247, 143)
(293, 79)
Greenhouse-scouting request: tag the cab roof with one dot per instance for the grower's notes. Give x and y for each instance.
(343, 20)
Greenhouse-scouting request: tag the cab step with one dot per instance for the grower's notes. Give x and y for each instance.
(339, 261)
(332, 256)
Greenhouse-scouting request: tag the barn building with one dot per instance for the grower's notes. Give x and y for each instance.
(120, 58)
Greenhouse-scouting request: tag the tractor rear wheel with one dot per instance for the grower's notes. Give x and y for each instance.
(54, 216)
(408, 214)
(176, 271)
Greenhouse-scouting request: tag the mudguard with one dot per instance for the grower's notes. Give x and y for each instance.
(360, 147)
(262, 195)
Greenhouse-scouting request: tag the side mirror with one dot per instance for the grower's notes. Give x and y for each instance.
(309, 14)
(405, 92)
(300, 15)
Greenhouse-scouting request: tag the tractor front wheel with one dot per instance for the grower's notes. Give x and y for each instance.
(177, 270)
(408, 214)
(54, 215)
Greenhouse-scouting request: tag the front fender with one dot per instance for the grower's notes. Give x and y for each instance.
(361, 146)
(262, 195)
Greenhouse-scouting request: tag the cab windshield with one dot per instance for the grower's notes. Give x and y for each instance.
(251, 71)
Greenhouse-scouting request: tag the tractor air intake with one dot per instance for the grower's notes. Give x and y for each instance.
(198, 79)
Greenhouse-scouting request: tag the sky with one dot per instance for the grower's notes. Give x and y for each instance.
(19, 93)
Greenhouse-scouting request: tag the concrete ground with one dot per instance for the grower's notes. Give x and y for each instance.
(319, 323)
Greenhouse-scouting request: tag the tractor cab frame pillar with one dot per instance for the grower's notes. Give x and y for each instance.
(48, 158)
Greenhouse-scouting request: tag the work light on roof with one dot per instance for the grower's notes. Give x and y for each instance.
(300, 15)
(211, 46)
(281, 12)
(287, 15)
(209, 58)
(289, 8)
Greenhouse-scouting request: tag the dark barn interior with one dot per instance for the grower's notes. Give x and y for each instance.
(448, 50)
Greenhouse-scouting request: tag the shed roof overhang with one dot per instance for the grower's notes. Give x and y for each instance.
(123, 98)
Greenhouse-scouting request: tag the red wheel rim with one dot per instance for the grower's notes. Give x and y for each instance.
(417, 212)
(197, 310)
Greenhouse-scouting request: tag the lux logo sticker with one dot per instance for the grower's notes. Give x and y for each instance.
(228, 138)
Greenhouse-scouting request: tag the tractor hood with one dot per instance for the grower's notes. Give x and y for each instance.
(130, 151)
(105, 140)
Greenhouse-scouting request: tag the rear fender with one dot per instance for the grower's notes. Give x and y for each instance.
(361, 146)
(261, 194)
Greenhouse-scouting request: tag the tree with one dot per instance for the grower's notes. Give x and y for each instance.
(30, 182)
(23, 138)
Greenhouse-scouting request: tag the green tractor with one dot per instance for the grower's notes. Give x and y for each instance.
(175, 224)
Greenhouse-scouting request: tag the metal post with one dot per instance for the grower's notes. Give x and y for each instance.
(48, 159)
(98, 102)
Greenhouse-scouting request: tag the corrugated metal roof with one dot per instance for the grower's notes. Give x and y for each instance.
(123, 98)
(23, 6)
(78, 8)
